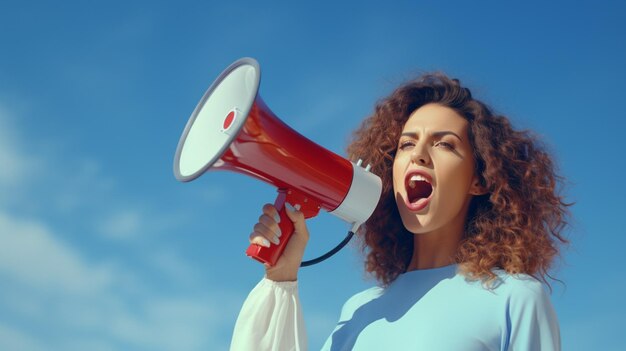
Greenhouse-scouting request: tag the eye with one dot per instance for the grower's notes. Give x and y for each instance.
(406, 144)
(445, 145)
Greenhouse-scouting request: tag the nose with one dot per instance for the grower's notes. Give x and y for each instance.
(420, 156)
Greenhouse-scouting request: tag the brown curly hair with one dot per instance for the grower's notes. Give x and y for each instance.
(516, 226)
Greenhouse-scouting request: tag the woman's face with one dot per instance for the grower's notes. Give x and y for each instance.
(433, 170)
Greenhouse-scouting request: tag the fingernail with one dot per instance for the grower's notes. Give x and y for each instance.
(277, 218)
(275, 240)
(279, 232)
(297, 207)
(265, 242)
(289, 207)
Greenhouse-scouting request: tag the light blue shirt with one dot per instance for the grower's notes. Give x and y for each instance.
(438, 309)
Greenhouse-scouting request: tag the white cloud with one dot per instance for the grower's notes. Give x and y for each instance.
(174, 267)
(54, 287)
(168, 324)
(122, 225)
(16, 164)
(14, 339)
(213, 193)
(72, 295)
(77, 184)
(30, 254)
(126, 224)
(78, 344)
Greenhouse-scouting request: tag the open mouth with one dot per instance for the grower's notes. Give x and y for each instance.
(418, 187)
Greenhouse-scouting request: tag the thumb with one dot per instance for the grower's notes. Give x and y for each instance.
(296, 217)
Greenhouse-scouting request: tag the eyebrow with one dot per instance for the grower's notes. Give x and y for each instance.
(438, 134)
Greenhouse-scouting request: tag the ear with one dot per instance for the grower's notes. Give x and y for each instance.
(476, 188)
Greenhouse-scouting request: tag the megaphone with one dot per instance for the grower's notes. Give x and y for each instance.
(232, 129)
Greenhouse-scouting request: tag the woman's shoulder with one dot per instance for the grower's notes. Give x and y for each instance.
(520, 295)
(517, 283)
(359, 299)
(519, 288)
(533, 320)
(505, 288)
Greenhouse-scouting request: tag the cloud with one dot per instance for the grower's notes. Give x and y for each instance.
(133, 224)
(122, 225)
(14, 339)
(38, 177)
(30, 254)
(16, 164)
(168, 324)
(53, 287)
(61, 290)
(77, 184)
(174, 267)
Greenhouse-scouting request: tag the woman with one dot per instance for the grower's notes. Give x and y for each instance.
(464, 234)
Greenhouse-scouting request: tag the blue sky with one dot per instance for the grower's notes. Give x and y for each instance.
(102, 249)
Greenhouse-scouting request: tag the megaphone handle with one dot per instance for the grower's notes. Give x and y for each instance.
(271, 254)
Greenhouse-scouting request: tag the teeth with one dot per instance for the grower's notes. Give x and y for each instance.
(416, 178)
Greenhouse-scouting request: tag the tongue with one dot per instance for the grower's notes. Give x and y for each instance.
(422, 190)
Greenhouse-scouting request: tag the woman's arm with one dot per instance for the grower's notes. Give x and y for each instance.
(533, 321)
(271, 317)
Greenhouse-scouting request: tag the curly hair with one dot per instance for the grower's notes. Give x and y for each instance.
(516, 226)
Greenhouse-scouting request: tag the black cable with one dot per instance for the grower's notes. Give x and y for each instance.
(329, 253)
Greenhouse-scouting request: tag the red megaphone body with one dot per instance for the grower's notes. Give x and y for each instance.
(232, 129)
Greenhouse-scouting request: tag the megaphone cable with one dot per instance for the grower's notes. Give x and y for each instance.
(329, 253)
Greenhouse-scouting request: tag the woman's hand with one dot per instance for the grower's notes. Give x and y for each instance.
(266, 232)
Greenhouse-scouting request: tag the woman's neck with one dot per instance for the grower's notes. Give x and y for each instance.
(431, 252)
(437, 248)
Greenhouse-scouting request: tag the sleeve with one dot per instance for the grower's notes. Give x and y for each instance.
(270, 319)
(533, 321)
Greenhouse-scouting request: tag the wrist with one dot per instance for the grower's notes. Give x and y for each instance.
(278, 275)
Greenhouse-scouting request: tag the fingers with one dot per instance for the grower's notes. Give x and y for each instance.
(268, 224)
(288, 264)
(271, 211)
(271, 232)
(267, 229)
(259, 239)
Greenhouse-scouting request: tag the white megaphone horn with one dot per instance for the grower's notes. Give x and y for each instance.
(232, 129)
